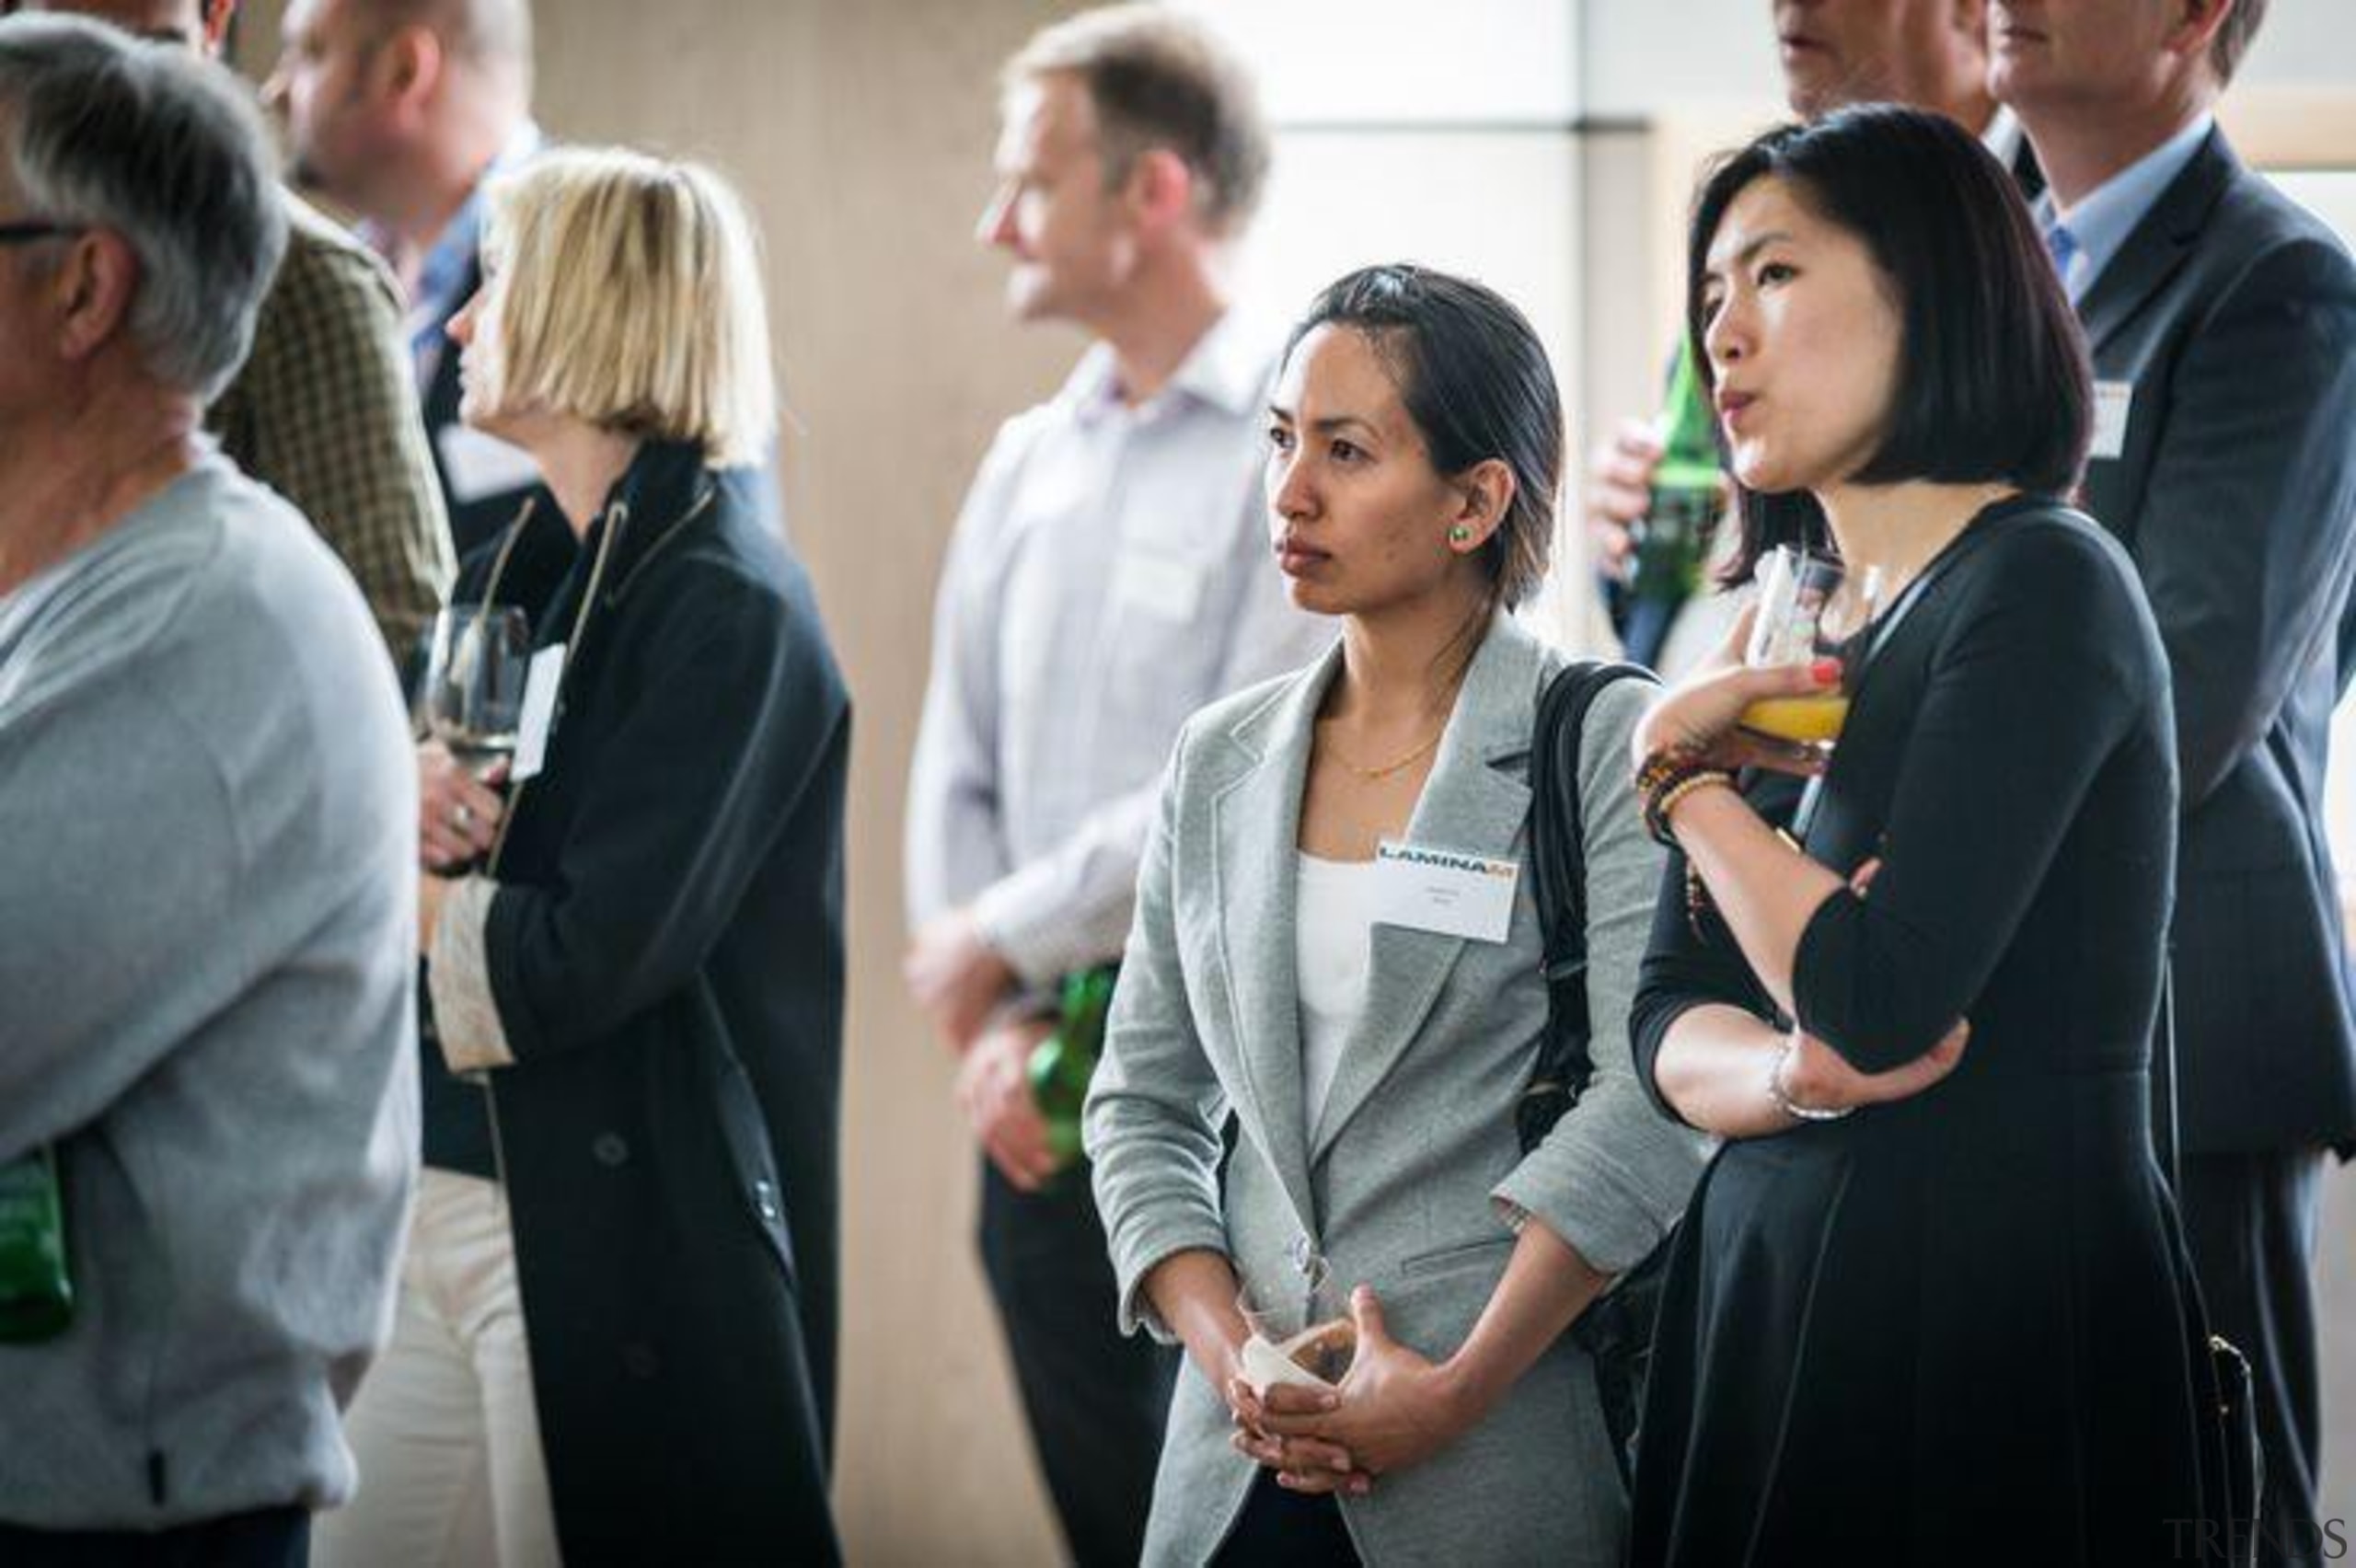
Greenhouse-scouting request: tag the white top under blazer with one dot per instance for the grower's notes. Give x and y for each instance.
(1333, 945)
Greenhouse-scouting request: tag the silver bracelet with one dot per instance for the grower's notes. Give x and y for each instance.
(1783, 1101)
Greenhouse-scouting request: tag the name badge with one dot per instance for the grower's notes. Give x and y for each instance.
(2112, 401)
(1441, 891)
(1159, 586)
(478, 465)
(540, 712)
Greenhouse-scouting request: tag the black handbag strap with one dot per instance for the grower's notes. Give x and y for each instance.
(2163, 1058)
(1616, 1329)
(1557, 860)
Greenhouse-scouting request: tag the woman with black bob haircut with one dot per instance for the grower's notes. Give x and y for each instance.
(1296, 958)
(1930, 1303)
(1990, 356)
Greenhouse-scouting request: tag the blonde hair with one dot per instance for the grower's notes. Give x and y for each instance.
(628, 294)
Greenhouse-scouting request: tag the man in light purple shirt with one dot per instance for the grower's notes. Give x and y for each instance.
(1109, 575)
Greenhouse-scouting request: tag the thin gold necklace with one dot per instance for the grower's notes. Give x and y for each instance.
(1372, 774)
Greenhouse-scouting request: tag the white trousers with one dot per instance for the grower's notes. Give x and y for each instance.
(448, 1442)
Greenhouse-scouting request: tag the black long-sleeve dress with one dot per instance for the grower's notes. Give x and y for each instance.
(1953, 1328)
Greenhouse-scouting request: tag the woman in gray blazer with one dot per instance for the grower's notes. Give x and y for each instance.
(1333, 939)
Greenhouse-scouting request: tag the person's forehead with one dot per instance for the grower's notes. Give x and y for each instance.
(1337, 370)
(1053, 115)
(1766, 205)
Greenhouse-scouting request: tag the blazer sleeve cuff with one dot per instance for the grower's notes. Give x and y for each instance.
(466, 1015)
(1612, 1207)
(1131, 1265)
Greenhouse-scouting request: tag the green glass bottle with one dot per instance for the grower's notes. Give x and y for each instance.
(1673, 541)
(1064, 1062)
(36, 1291)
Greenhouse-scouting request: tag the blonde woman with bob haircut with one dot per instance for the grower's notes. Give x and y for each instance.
(623, 1332)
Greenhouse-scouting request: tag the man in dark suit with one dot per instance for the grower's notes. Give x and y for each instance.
(401, 111)
(2223, 323)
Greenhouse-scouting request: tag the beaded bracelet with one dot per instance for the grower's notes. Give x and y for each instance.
(1664, 796)
(1661, 768)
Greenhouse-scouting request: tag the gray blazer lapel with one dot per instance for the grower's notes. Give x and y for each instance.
(2159, 244)
(1255, 823)
(1468, 804)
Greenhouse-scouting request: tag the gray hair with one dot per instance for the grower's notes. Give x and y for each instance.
(167, 151)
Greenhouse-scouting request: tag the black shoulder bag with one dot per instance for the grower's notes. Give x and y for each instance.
(1616, 1329)
(2233, 1465)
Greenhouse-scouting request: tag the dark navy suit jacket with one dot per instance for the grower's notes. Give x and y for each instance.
(2230, 311)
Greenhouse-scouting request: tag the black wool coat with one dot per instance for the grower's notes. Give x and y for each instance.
(665, 950)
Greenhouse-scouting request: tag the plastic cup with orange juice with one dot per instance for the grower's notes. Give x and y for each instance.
(1807, 605)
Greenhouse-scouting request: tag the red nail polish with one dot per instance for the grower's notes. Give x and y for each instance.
(1826, 670)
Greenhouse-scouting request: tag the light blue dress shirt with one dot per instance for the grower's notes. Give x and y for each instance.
(2099, 225)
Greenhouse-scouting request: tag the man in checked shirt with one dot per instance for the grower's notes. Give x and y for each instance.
(1110, 574)
(322, 412)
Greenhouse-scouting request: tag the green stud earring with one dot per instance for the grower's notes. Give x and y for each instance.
(1461, 535)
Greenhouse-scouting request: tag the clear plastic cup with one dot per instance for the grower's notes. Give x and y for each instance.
(1301, 1331)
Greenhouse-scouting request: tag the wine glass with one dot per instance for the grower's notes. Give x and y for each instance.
(476, 667)
(1301, 1333)
(1809, 607)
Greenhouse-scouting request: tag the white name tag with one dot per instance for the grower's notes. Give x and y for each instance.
(539, 712)
(1439, 890)
(478, 465)
(2113, 400)
(1159, 586)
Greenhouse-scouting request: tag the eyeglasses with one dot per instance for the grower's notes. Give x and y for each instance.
(32, 229)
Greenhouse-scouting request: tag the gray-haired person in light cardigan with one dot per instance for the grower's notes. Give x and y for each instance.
(206, 820)
(1370, 1041)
